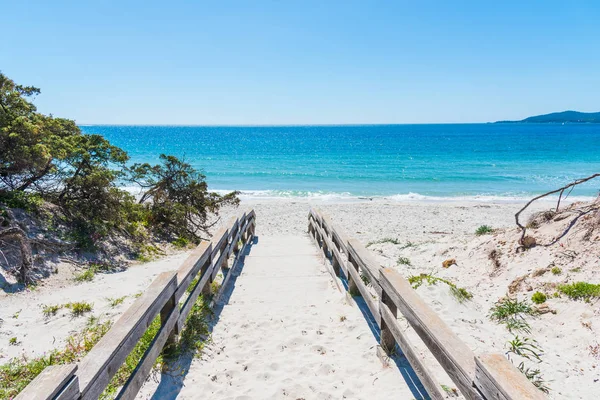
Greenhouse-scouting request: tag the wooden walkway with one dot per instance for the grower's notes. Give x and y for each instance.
(301, 317)
(281, 335)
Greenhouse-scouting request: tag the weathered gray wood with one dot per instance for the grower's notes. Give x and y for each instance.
(219, 241)
(190, 267)
(366, 295)
(144, 367)
(102, 362)
(388, 342)
(191, 299)
(49, 383)
(434, 389)
(70, 390)
(340, 239)
(498, 379)
(366, 262)
(456, 358)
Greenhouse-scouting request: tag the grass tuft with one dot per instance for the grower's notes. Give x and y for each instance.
(79, 308)
(115, 302)
(484, 230)
(403, 261)
(51, 310)
(556, 271)
(86, 276)
(580, 290)
(525, 347)
(512, 312)
(20, 371)
(384, 240)
(535, 377)
(460, 294)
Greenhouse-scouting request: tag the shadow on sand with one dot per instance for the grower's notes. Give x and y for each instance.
(172, 382)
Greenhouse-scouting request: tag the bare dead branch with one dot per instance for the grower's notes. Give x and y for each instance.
(561, 190)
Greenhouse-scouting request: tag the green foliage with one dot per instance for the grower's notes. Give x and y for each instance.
(24, 200)
(460, 294)
(117, 301)
(365, 278)
(484, 230)
(512, 312)
(51, 310)
(79, 308)
(535, 377)
(556, 271)
(408, 245)
(181, 242)
(451, 391)
(384, 240)
(85, 276)
(176, 198)
(132, 360)
(13, 341)
(581, 290)
(44, 158)
(403, 261)
(525, 347)
(539, 298)
(18, 372)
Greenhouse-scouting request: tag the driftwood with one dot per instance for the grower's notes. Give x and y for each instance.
(561, 190)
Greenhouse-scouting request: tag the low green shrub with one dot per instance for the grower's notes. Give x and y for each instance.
(580, 290)
(539, 298)
(484, 230)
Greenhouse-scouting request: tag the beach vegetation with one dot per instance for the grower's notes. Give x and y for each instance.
(535, 377)
(384, 240)
(113, 302)
(403, 261)
(79, 308)
(450, 390)
(18, 372)
(51, 310)
(512, 312)
(13, 341)
(72, 181)
(86, 276)
(556, 271)
(365, 278)
(580, 290)
(484, 230)
(459, 293)
(539, 298)
(525, 347)
(181, 243)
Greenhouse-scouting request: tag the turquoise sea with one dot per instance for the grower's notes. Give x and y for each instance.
(489, 161)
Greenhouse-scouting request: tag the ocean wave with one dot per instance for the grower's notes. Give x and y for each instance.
(323, 196)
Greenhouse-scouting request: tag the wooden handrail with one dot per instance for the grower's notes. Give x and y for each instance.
(89, 378)
(485, 377)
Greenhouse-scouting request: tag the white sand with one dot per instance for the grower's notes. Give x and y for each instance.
(438, 230)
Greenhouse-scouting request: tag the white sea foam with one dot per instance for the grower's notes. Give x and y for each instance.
(336, 197)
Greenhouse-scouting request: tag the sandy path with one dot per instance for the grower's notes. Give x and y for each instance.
(287, 332)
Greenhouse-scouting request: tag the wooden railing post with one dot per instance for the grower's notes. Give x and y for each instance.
(352, 287)
(170, 307)
(388, 342)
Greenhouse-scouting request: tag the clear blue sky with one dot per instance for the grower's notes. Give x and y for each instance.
(303, 62)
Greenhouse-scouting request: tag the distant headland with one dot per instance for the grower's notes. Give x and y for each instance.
(571, 117)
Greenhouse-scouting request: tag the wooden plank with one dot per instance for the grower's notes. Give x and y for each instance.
(191, 299)
(218, 241)
(102, 362)
(70, 390)
(456, 358)
(144, 367)
(49, 383)
(366, 262)
(434, 389)
(340, 239)
(366, 295)
(218, 265)
(497, 378)
(191, 266)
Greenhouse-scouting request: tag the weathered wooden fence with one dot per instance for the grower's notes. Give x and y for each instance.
(167, 296)
(482, 377)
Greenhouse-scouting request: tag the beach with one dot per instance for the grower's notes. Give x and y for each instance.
(423, 234)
